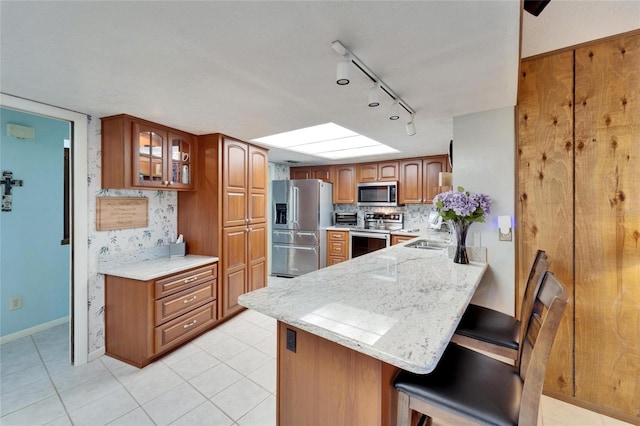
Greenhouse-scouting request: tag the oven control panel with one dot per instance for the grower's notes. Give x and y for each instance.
(380, 221)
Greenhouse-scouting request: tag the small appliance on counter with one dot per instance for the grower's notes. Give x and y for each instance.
(346, 219)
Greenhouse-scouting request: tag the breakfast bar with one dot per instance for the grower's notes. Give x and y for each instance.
(344, 331)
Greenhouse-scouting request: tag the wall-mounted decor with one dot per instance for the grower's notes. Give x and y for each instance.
(121, 213)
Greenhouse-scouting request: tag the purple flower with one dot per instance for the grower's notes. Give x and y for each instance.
(461, 205)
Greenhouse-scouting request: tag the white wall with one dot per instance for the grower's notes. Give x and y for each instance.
(484, 161)
(566, 23)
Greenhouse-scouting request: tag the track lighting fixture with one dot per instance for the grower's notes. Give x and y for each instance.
(411, 128)
(374, 99)
(378, 85)
(395, 110)
(342, 73)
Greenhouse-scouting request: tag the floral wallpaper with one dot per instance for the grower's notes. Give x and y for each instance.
(163, 219)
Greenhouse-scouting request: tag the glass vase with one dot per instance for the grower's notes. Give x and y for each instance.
(461, 227)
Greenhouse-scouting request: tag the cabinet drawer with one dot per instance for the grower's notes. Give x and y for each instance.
(332, 260)
(176, 283)
(337, 248)
(338, 236)
(175, 305)
(182, 328)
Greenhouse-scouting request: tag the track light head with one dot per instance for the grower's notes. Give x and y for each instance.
(342, 72)
(374, 95)
(395, 110)
(411, 128)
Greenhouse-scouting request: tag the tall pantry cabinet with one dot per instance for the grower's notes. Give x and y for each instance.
(579, 199)
(226, 215)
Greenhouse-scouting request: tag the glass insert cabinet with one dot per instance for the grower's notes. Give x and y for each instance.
(163, 158)
(141, 154)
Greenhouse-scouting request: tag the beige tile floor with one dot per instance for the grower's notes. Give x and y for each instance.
(225, 377)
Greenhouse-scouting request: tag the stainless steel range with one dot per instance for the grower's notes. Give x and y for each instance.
(376, 233)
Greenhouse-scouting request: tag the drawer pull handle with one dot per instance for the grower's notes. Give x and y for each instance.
(190, 280)
(190, 300)
(190, 324)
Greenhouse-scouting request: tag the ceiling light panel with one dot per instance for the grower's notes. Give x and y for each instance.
(358, 152)
(358, 141)
(328, 141)
(322, 132)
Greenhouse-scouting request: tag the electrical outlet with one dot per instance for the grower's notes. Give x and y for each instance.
(291, 340)
(15, 303)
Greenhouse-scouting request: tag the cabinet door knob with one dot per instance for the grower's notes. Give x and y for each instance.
(247, 220)
(249, 230)
(166, 182)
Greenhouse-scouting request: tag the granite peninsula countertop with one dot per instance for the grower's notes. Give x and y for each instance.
(151, 269)
(400, 305)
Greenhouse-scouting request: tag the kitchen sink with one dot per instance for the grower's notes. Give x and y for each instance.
(428, 245)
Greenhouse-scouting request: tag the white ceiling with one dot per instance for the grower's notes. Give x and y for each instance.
(252, 69)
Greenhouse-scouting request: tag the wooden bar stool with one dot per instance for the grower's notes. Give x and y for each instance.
(468, 387)
(495, 332)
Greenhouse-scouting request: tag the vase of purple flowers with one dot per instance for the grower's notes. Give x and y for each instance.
(460, 209)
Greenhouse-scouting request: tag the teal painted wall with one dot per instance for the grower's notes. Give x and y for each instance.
(33, 263)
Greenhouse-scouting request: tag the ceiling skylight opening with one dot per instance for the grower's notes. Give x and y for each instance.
(328, 141)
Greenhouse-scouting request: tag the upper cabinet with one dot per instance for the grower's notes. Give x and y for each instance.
(140, 154)
(419, 178)
(324, 173)
(244, 182)
(378, 172)
(344, 185)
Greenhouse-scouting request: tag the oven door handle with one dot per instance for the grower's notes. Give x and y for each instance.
(379, 236)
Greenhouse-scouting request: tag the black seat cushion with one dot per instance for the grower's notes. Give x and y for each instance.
(474, 385)
(489, 326)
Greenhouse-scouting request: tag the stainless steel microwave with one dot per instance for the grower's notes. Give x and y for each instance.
(378, 194)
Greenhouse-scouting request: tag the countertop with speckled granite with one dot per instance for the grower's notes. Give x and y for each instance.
(400, 305)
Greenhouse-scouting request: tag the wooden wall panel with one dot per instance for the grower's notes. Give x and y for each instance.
(545, 189)
(607, 293)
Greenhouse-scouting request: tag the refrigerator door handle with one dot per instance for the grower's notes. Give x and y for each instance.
(292, 247)
(296, 199)
(308, 234)
(290, 233)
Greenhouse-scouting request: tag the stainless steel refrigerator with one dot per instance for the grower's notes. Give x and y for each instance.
(302, 210)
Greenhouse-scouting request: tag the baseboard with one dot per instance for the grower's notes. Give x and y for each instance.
(609, 412)
(96, 354)
(33, 330)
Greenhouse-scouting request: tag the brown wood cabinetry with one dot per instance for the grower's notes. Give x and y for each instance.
(226, 215)
(324, 383)
(337, 247)
(312, 172)
(145, 319)
(344, 184)
(397, 239)
(419, 178)
(140, 154)
(378, 172)
(578, 166)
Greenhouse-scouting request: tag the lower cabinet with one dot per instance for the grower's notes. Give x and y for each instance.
(397, 239)
(337, 247)
(145, 319)
(244, 264)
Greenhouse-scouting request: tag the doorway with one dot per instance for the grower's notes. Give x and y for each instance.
(75, 292)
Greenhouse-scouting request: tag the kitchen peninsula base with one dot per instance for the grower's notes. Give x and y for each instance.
(325, 383)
